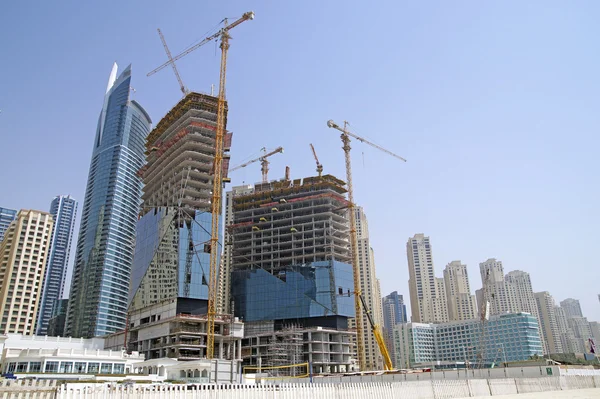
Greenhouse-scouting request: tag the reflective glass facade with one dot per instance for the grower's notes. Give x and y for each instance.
(6, 216)
(312, 290)
(102, 270)
(171, 257)
(63, 209)
(508, 337)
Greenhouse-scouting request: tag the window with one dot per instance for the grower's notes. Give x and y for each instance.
(93, 367)
(79, 367)
(21, 367)
(51, 367)
(106, 368)
(119, 368)
(66, 367)
(35, 367)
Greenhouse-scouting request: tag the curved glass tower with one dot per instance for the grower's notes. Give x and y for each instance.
(102, 270)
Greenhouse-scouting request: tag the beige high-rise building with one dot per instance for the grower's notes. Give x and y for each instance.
(23, 255)
(510, 293)
(570, 343)
(427, 293)
(461, 303)
(572, 308)
(549, 323)
(493, 271)
(369, 285)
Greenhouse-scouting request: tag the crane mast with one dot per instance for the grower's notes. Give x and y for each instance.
(216, 196)
(223, 34)
(345, 136)
(483, 315)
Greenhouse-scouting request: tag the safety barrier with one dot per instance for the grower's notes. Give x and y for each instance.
(436, 389)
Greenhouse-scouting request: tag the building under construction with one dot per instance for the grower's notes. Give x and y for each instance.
(169, 291)
(288, 253)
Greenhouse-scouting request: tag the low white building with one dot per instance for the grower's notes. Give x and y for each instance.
(64, 358)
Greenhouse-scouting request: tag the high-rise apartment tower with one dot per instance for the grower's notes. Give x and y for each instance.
(461, 303)
(63, 209)
(23, 255)
(549, 324)
(427, 292)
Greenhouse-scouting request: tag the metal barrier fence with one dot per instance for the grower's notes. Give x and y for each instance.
(437, 389)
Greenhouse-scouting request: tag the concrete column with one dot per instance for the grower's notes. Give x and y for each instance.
(239, 356)
(220, 349)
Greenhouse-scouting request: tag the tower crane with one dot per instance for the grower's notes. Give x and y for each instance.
(319, 166)
(181, 85)
(224, 36)
(264, 163)
(345, 136)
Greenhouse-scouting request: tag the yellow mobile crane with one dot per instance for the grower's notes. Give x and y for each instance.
(387, 361)
(222, 34)
(345, 136)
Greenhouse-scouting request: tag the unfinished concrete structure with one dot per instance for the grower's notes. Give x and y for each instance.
(326, 350)
(168, 298)
(289, 258)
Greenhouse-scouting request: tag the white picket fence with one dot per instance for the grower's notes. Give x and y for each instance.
(28, 389)
(436, 389)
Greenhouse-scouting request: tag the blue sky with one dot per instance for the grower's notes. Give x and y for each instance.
(494, 104)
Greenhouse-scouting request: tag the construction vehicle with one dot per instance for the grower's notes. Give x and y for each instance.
(387, 361)
(181, 85)
(224, 36)
(264, 163)
(319, 166)
(345, 136)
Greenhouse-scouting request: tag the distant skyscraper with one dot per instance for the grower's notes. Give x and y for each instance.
(23, 255)
(572, 308)
(394, 312)
(461, 303)
(6, 216)
(549, 324)
(101, 275)
(370, 291)
(63, 209)
(497, 295)
(427, 293)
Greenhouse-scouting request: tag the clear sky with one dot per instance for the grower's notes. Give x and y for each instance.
(494, 104)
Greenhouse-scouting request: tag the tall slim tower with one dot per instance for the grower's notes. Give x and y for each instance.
(394, 312)
(461, 303)
(102, 270)
(6, 216)
(370, 291)
(23, 255)
(63, 209)
(549, 328)
(427, 293)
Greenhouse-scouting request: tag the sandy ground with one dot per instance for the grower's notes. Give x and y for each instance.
(572, 394)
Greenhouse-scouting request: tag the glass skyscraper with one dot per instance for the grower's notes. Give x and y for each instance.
(63, 209)
(102, 270)
(6, 216)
